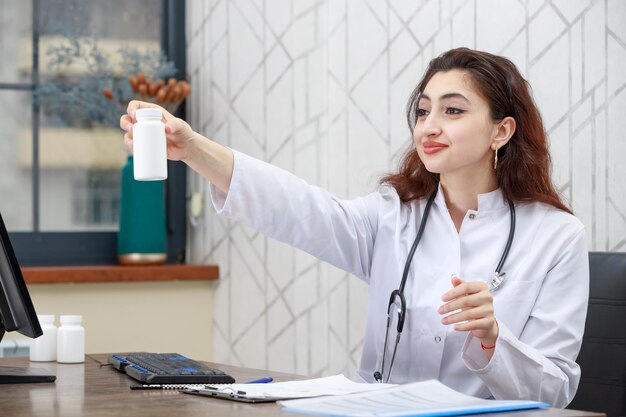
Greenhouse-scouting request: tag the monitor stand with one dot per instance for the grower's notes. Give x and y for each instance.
(22, 375)
(19, 375)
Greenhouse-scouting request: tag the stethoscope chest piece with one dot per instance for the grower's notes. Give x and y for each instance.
(497, 280)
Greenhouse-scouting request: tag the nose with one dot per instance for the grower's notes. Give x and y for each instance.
(431, 126)
(428, 127)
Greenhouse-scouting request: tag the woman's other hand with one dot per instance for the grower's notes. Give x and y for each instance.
(471, 305)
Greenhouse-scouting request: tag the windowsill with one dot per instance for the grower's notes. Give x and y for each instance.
(119, 273)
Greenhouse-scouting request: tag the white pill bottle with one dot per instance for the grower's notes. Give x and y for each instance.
(44, 348)
(71, 340)
(149, 146)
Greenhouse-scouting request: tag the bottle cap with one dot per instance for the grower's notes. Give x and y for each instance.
(71, 319)
(45, 318)
(149, 113)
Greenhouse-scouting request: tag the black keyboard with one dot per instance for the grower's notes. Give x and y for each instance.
(167, 368)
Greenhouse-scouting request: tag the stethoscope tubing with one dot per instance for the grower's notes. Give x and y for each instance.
(420, 232)
(509, 241)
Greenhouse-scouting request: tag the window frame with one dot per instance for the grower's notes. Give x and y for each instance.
(37, 248)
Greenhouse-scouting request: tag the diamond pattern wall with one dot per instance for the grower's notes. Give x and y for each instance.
(319, 87)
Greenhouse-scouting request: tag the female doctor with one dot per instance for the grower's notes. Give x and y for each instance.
(477, 271)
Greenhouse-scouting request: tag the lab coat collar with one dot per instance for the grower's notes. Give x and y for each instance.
(491, 201)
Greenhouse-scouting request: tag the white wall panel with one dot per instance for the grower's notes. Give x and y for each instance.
(320, 87)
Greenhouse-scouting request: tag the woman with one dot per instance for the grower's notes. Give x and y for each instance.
(496, 290)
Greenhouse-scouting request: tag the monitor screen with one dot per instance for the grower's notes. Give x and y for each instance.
(16, 311)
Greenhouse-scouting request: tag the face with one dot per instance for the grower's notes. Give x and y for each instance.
(454, 132)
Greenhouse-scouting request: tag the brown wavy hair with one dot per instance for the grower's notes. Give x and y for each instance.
(524, 164)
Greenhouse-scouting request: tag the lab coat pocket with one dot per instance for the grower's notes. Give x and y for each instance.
(513, 303)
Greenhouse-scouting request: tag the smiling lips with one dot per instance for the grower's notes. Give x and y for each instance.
(431, 147)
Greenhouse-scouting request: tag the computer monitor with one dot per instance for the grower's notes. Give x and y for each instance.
(16, 312)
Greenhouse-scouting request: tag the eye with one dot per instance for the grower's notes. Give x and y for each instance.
(421, 113)
(454, 110)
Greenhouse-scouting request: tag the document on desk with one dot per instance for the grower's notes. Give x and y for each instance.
(332, 385)
(426, 399)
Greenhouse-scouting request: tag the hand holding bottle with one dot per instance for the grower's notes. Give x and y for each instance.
(178, 133)
(210, 159)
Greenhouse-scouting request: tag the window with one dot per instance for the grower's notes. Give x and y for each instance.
(59, 171)
(96, 199)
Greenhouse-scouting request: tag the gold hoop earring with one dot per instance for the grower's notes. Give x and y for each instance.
(495, 157)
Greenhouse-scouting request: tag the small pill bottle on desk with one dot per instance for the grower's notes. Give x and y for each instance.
(44, 348)
(71, 340)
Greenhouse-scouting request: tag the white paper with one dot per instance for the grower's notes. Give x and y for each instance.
(427, 398)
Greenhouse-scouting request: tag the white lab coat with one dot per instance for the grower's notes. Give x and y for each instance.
(540, 307)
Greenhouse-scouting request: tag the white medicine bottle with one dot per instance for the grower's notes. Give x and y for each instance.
(149, 146)
(44, 348)
(71, 340)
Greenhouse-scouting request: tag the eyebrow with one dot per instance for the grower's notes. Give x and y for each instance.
(447, 97)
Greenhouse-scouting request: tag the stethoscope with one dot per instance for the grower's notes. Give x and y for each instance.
(496, 282)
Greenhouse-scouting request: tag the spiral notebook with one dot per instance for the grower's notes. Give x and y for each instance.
(275, 391)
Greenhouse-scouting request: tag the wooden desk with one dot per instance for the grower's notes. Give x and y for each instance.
(92, 390)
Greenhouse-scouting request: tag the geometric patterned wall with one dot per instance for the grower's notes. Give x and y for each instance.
(319, 88)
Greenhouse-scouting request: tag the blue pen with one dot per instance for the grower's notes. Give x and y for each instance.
(261, 380)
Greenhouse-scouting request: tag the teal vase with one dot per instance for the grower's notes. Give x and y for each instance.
(142, 236)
